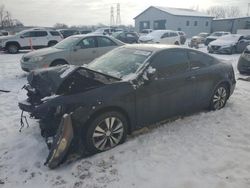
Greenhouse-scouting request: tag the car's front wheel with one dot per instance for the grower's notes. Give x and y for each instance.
(106, 131)
(12, 48)
(219, 97)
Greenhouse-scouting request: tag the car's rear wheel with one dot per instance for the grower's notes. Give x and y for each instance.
(52, 43)
(106, 131)
(219, 97)
(12, 48)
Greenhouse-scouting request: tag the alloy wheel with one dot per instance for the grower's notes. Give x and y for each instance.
(108, 133)
(219, 98)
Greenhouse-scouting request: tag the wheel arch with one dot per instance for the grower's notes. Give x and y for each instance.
(52, 41)
(12, 42)
(226, 83)
(57, 60)
(110, 109)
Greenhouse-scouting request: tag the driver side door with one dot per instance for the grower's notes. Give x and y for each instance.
(84, 51)
(169, 91)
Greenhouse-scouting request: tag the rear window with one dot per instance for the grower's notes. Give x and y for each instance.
(54, 33)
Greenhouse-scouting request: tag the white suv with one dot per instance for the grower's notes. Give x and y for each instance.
(162, 37)
(27, 39)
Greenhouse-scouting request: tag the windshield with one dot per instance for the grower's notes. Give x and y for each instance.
(121, 62)
(67, 43)
(216, 34)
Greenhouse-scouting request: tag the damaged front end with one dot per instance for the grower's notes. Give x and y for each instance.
(53, 97)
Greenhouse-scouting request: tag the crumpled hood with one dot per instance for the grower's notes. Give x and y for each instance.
(66, 79)
(219, 42)
(42, 52)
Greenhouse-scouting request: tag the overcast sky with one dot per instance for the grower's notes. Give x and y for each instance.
(88, 12)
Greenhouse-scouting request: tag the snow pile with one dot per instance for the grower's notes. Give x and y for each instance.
(206, 149)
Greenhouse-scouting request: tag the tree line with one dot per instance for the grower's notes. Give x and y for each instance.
(6, 20)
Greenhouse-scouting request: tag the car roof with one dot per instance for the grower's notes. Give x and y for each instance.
(152, 47)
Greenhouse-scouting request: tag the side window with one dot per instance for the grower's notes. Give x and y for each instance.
(199, 60)
(38, 33)
(25, 35)
(54, 33)
(104, 42)
(173, 34)
(165, 35)
(87, 43)
(170, 63)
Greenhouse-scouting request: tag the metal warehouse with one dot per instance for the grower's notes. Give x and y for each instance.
(231, 24)
(190, 21)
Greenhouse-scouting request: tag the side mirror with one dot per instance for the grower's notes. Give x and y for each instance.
(22, 36)
(149, 74)
(75, 48)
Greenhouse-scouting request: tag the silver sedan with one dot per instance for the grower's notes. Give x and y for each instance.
(75, 50)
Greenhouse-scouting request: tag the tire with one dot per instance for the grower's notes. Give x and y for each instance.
(219, 98)
(58, 63)
(52, 43)
(12, 48)
(100, 137)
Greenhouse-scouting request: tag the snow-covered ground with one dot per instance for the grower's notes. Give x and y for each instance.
(207, 149)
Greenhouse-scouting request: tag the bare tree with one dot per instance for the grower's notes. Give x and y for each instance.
(217, 11)
(60, 26)
(224, 11)
(233, 12)
(2, 12)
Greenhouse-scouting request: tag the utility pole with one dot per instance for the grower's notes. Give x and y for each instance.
(118, 16)
(112, 19)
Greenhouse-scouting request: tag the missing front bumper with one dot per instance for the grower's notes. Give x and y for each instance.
(61, 143)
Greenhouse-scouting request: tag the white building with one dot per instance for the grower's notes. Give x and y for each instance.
(190, 21)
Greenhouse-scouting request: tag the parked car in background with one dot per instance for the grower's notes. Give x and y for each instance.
(85, 31)
(27, 39)
(198, 39)
(183, 36)
(161, 37)
(68, 32)
(124, 90)
(226, 44)
(244, 61)
(126, 37)
(107, 30)
(243, 43)
(4, 33)
(146, 31)
(74, 50)
(215, 35)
